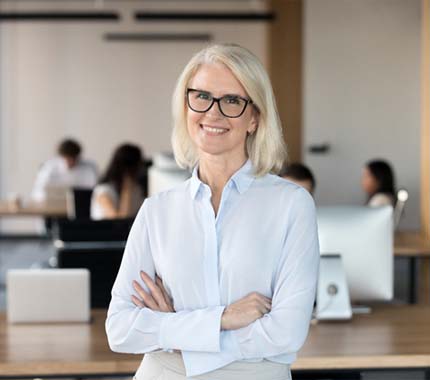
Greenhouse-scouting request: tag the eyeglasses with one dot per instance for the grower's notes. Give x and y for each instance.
(229, 105)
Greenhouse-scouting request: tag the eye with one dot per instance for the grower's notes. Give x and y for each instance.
(232, 100)
(202, 96)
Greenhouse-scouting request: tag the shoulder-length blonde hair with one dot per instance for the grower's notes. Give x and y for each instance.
(265, 147)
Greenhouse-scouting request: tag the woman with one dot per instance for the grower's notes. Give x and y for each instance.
(118, 194)
(214, 277)
(378, 182)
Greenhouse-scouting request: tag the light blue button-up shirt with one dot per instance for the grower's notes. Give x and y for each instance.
(263, 239)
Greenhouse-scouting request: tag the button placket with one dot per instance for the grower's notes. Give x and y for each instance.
(211, 248)
(211, 259)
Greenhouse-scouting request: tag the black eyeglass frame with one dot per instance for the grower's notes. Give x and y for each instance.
(217, 100)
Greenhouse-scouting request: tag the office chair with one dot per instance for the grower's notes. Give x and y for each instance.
(95, 245)
(79, 203)
(402, 196)
(87, 230)
(102, 261)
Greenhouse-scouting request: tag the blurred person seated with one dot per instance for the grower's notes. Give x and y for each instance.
(119, 194)
(66, 170)
(299, 174)
(377, 181)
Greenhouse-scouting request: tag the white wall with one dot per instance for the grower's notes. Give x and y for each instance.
(62, 79)
(362, 94)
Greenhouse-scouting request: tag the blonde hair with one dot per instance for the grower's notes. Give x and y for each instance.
(265, 147)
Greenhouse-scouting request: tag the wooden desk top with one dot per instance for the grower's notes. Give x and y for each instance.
(390, 337)
(31, 209)
(60, 349)
(411, 244)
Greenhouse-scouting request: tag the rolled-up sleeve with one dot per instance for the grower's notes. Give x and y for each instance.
(285, 328)
(131, 329)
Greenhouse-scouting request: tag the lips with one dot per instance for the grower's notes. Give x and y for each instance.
(213, 130)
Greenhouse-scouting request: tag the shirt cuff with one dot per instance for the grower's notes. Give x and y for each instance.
(148, 324)
(197, 330)
(247, 341)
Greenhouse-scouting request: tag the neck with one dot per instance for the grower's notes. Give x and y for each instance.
(216, 171)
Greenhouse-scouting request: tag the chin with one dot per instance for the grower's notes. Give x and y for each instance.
(212, 151)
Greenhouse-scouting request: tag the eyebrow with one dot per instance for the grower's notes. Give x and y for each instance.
(208, 92)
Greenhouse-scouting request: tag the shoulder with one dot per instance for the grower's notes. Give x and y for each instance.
(280, 186)
(52, 163)
(159, 208)
(166, 197)
(104, 188)
(381, 199)
(272, 192)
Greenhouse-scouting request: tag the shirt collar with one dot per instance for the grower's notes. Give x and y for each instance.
(242, 179)
(195, 182)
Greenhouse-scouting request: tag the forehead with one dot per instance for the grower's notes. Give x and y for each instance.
(217, 79)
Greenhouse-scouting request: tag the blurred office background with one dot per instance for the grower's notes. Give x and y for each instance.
(347, 75)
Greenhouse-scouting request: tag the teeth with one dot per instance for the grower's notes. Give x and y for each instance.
(214, 130)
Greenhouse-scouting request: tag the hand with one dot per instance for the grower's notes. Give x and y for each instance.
(157, 299)
(245, 311)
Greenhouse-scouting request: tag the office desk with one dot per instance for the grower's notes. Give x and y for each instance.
(412, 246)
(32, 209)
(392, 337)
(63, 350)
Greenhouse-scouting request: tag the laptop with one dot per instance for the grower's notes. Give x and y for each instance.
(48, 295)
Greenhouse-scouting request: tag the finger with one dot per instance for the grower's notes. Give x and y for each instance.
(137, 302)
(147, 298)
(264, 306)
(266, 300)
(263, 309)
(167, 306)
(167, 298)
(153, 288)
(263, 297)
(256, 295)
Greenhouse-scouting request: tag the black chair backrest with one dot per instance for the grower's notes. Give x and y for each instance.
(81, 203)
(85, 230)
(102, 262)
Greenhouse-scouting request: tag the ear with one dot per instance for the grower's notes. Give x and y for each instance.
(253, 125)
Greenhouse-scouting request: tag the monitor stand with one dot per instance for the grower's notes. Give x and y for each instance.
(361, 309)
(333, 301)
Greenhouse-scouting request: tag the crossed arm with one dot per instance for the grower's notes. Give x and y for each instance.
(254, 326)
(236, 315)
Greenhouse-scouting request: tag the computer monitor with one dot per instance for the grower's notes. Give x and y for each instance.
(165, 174)
(363, 236)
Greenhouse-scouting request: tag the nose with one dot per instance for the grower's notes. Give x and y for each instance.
(215, 111)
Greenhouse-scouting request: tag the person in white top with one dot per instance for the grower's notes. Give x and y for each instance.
(119, 195)
(66, 170)
(219, 274)
(377, 181)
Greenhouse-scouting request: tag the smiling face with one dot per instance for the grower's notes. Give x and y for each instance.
(211, 132)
